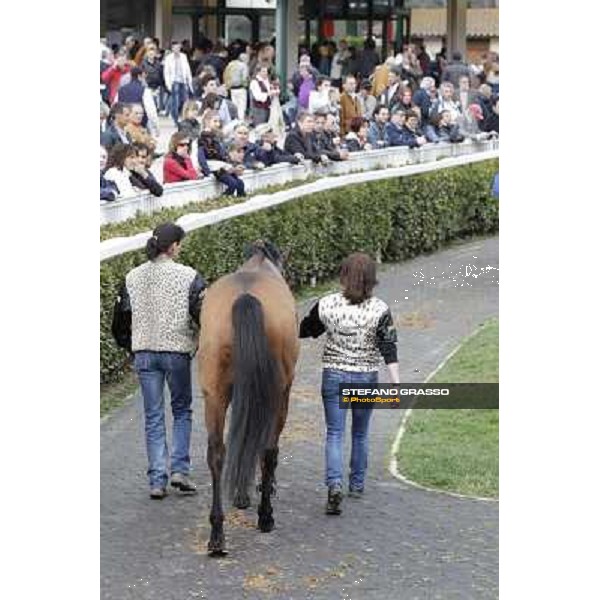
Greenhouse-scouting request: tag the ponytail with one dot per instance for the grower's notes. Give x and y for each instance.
(163, 237)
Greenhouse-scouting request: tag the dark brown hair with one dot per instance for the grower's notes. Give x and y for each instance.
(358, 276)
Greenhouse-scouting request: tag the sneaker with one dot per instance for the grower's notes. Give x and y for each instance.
(334, 500)
(355, 493)
(182, 483)
(158, 493)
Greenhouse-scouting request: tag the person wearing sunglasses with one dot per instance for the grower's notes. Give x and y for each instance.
(178, 165)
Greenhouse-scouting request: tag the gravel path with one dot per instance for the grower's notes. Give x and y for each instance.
(396, 543)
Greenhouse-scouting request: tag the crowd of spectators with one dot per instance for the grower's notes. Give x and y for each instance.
(232, 113)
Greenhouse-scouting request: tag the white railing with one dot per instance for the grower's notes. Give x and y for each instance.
(359, 168)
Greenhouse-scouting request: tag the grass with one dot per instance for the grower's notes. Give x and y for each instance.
(114, 395)
(457, 450)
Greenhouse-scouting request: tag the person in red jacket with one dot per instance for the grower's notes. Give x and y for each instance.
(178, 164)
(112, 76)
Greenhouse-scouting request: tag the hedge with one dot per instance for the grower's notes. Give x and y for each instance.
(394, 219)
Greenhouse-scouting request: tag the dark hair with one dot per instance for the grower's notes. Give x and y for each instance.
(356, 123)
(358, 276)
(141, 147)
(117, 109)
(118, 154)
(162, 238)
(410, 113)
(302, 116)
(320, 80)
(136, 72)
(206, 78)
(378, 108)
(456, 56)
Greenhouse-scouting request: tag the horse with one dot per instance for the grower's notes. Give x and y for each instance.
(248, 351)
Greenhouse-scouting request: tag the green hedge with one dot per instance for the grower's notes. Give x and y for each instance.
(393, 218)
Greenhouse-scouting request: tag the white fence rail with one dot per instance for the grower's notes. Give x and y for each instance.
(360, 168)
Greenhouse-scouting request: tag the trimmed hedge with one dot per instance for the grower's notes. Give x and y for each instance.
(394, 219)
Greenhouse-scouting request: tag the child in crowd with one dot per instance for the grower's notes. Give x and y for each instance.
(213, 157)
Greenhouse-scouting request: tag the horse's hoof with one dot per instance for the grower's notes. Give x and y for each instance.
(266, 524)
(216, 548)
(241, 501)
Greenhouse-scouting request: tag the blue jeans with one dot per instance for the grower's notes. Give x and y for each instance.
(153, 368)
(336, 425)
(179, 94)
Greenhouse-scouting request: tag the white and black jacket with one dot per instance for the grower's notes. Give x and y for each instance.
(358, 335)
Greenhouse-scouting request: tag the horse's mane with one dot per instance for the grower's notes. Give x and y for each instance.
(264, 247)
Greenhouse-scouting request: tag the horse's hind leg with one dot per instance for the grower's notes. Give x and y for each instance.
(268, 466)
(215, 407)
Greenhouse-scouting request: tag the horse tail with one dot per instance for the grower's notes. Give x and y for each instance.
(256, 394)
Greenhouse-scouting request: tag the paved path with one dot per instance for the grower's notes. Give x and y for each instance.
(396, 543)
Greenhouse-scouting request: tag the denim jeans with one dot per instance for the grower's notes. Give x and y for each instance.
(179, 94)
(335, 418)
(153, 368)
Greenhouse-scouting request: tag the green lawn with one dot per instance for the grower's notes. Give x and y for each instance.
(457, 450)
(113, 395)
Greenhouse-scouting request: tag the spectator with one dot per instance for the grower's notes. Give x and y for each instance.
(349, 105)
(137, 92)
(190, 123)
(115, 131)
(319, 99)
(323, 141)
(471, 123)
(368, 60)
(412, 134)
(300, 141)
(235, 78)
(422, 97)
(392, 93)
(338, 61)
(178, 79)
(260, 95)
(142, 50)
(106, 60)
(141, 177)
(135, 130)
(406, 101)
(156, 317)
(381, 76)
(155, 81)
(465, 96)
(121, 160)
(492, 124)
(213, 157)
(483, 96)
(359, 329)
(455, 69)
(178, 165)
(267, 152)
(424, 60)
(112, 76)
(394, 127)
(104, 114)
(493, 77)
(376, 133)
(241, 137)
(297, 77)
(445, 101)
(367, 101)
(356, 138)
(307, 85)
(411, 69)
(236, 157)
(108, 189)
(443, 130)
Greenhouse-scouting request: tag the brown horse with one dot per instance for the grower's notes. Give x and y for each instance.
(248, 351)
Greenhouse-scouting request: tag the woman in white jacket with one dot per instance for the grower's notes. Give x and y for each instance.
(178, 79)
(121, 161)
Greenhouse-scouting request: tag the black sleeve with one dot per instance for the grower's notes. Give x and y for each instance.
(385, 338)
(196, 296)
(121, 323)
(311, 325)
